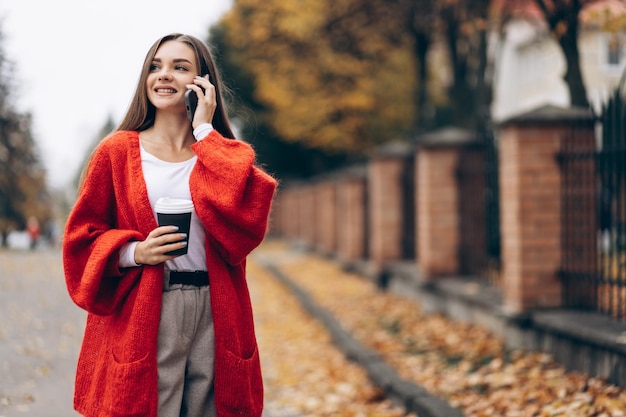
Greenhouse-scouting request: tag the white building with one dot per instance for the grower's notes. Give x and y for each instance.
(529, 64)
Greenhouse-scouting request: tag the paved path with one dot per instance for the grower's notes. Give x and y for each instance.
(40, 334)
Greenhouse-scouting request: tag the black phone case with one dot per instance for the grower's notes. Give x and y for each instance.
(191, 102)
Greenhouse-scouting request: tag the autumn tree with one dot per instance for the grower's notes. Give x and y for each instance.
(23, 190)
(249, 115)
(420, 20)
(348, 75)
(324, 72)
(463, 26)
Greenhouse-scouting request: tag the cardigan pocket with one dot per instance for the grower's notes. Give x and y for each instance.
(242, 387)
(126, 393)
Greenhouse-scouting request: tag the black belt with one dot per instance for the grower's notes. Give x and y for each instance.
(195, 278)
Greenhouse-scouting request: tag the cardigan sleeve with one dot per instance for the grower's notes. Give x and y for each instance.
(232, 196)
(91, 243)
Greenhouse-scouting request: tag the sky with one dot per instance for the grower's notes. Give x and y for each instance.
(77, 63)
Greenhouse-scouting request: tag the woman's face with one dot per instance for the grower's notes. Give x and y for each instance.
(174, 65)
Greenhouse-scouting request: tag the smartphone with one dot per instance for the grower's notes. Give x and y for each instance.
(191, 102)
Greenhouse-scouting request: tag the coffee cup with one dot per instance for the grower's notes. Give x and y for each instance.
(175, 212)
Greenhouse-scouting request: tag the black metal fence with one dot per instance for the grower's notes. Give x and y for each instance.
(491, 198)
(409, 248)
(479, 213)
(593, 267)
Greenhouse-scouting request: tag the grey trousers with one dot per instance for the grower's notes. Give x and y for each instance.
(186, 353)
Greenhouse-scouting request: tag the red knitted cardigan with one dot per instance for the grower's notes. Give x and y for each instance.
(117, 370)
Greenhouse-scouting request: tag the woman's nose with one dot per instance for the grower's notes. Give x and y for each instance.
(164, 75)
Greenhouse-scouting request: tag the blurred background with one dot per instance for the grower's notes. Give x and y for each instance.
(468, 154)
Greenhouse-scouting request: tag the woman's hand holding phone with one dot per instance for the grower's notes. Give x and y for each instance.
(200, 101)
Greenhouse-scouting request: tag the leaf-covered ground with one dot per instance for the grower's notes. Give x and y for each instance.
(459, 362)
(305, 375)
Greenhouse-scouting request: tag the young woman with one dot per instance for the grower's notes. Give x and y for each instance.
(168, 336)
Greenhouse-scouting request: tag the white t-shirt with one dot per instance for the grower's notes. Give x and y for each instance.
(171, 179)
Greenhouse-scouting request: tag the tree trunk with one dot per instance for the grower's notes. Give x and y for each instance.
(484, 86)
(5, 239)
(565, 15)
(573, 75)
(461, 97)
(423, 121)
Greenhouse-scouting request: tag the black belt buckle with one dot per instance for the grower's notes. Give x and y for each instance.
(195, 278)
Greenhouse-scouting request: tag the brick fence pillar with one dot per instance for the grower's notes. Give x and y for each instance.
(289, 212)
(386, 202)
(351, 215)
(277, 222)
(438, 200)
(530, 204)
(306, 213)
(325, 216)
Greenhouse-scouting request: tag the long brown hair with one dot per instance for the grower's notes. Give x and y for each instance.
(140, 114)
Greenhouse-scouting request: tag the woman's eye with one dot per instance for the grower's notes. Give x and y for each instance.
(154, 67)
(182, 68)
